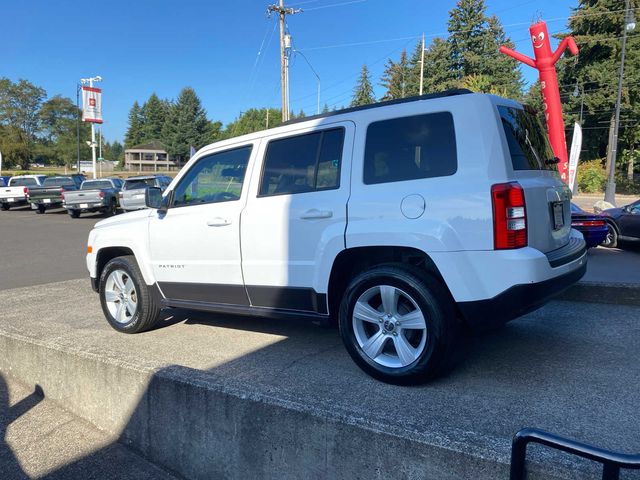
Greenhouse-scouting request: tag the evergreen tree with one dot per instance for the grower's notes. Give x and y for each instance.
(154, 113)
(395, 78)
(438, 74)
(325, 108)
(186, 125)
(474, 40)
(134, 133)
(363, 93)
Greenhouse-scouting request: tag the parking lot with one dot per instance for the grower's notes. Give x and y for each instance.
(570, 368)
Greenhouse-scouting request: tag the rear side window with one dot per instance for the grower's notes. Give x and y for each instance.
(96, 185)
(410, 148)
(304, 163)
(22, 182)
(528, 144)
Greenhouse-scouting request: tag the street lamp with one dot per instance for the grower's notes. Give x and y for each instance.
(317, 77)
(629, 26)
(579, 90)
(90, 81)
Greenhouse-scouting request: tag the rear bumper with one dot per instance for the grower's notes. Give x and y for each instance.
(85, 206)
(517, 301)
(15, 201)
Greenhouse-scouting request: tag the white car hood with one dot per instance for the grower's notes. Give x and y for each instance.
(124, 218)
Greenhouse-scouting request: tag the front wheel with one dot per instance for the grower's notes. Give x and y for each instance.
(399, 325)
(127, 302)
(5, 206)
(611, 240)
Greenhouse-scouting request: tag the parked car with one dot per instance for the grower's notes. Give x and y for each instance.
(4, 181)
(593, 227)
(624, 224)
(404, 221)
(16, 194)
(133, 191)
(49, 195)
(100, 195)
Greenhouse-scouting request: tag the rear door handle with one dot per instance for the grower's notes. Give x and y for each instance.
(314, 213)
(218, 222)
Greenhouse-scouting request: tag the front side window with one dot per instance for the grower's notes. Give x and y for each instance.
(215, 178)
(410, 148)
(58, 182)
(304, 163)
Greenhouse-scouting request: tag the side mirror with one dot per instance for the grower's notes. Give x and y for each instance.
(153, 198)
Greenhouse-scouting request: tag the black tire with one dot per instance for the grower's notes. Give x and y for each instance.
(5, 206)
(112, 209)
(443, 343)
(611, 241)
(73, 213)
(40, 209)
(148, 308)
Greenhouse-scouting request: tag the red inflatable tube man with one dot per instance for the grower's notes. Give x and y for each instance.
(545, 61)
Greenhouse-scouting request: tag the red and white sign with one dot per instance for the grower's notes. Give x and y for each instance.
(91, 104)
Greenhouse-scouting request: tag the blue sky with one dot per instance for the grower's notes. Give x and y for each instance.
(145, 46)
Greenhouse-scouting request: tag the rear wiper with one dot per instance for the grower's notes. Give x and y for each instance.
(552, 161)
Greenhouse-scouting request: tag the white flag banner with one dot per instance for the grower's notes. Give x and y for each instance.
(574, 156)
(91, 104)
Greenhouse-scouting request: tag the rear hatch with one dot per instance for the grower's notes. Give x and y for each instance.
(547, 198)
(133, 191)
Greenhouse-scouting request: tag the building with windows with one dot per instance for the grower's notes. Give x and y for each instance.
(149, 157)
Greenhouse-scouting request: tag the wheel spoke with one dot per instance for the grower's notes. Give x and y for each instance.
(389, 297)
(129, 287)
(121, 314)
(413, 321)
(117, 280)
(111, 295)
(131, 306)
(406, 353)
(365, 312)
(374, 345)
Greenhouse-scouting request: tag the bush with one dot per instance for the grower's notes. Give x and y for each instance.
(592, 177)
(626, 186)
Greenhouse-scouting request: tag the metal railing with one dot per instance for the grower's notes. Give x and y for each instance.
(611, 462)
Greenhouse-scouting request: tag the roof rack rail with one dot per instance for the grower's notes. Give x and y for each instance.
(429, 96)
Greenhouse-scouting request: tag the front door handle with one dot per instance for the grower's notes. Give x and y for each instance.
(314, 214)
(218, 222)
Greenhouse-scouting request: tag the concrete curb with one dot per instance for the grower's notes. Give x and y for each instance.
(600, 292)
(199, 427)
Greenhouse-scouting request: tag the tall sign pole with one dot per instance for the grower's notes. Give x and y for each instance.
(282, 12)
(0, 163)
(92, 112)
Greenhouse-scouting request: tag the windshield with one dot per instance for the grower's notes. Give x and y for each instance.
(92, 185)
(58, 181)
(22, 182)
(137, 183)
(528, 144)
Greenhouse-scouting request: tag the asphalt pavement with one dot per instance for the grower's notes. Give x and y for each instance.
(37, 249)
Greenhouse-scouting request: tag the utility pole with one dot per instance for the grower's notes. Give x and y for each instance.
(78, 114)
(282, 12)
(422, 65)
(610, 191)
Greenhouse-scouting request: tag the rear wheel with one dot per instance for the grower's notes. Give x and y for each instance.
(399, 325)
(74, 213)
(611, 240)
(127, 302)
(113, 208)
(5, 206)
(41, 209)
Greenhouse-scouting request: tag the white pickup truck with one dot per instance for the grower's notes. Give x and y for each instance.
(405, 222)
(16, 194)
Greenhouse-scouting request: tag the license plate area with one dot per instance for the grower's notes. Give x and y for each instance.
(84, 205)
(557, 211)
(47, 200)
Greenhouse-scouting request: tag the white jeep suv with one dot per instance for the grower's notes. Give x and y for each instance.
(405, 222)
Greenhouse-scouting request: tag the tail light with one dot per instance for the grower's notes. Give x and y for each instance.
(588, 223)
(509, 216)
(25, 190)
(101, 194)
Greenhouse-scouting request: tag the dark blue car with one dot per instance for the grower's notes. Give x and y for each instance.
(4, 181)
(593, 227)
(624, 224)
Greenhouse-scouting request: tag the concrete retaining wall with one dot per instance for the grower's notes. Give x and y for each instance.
(181, 419)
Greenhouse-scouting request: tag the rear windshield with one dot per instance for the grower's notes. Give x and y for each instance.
(58, 181)
(22, 182)
(528, 144)
(96, 185)
(139, 183)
